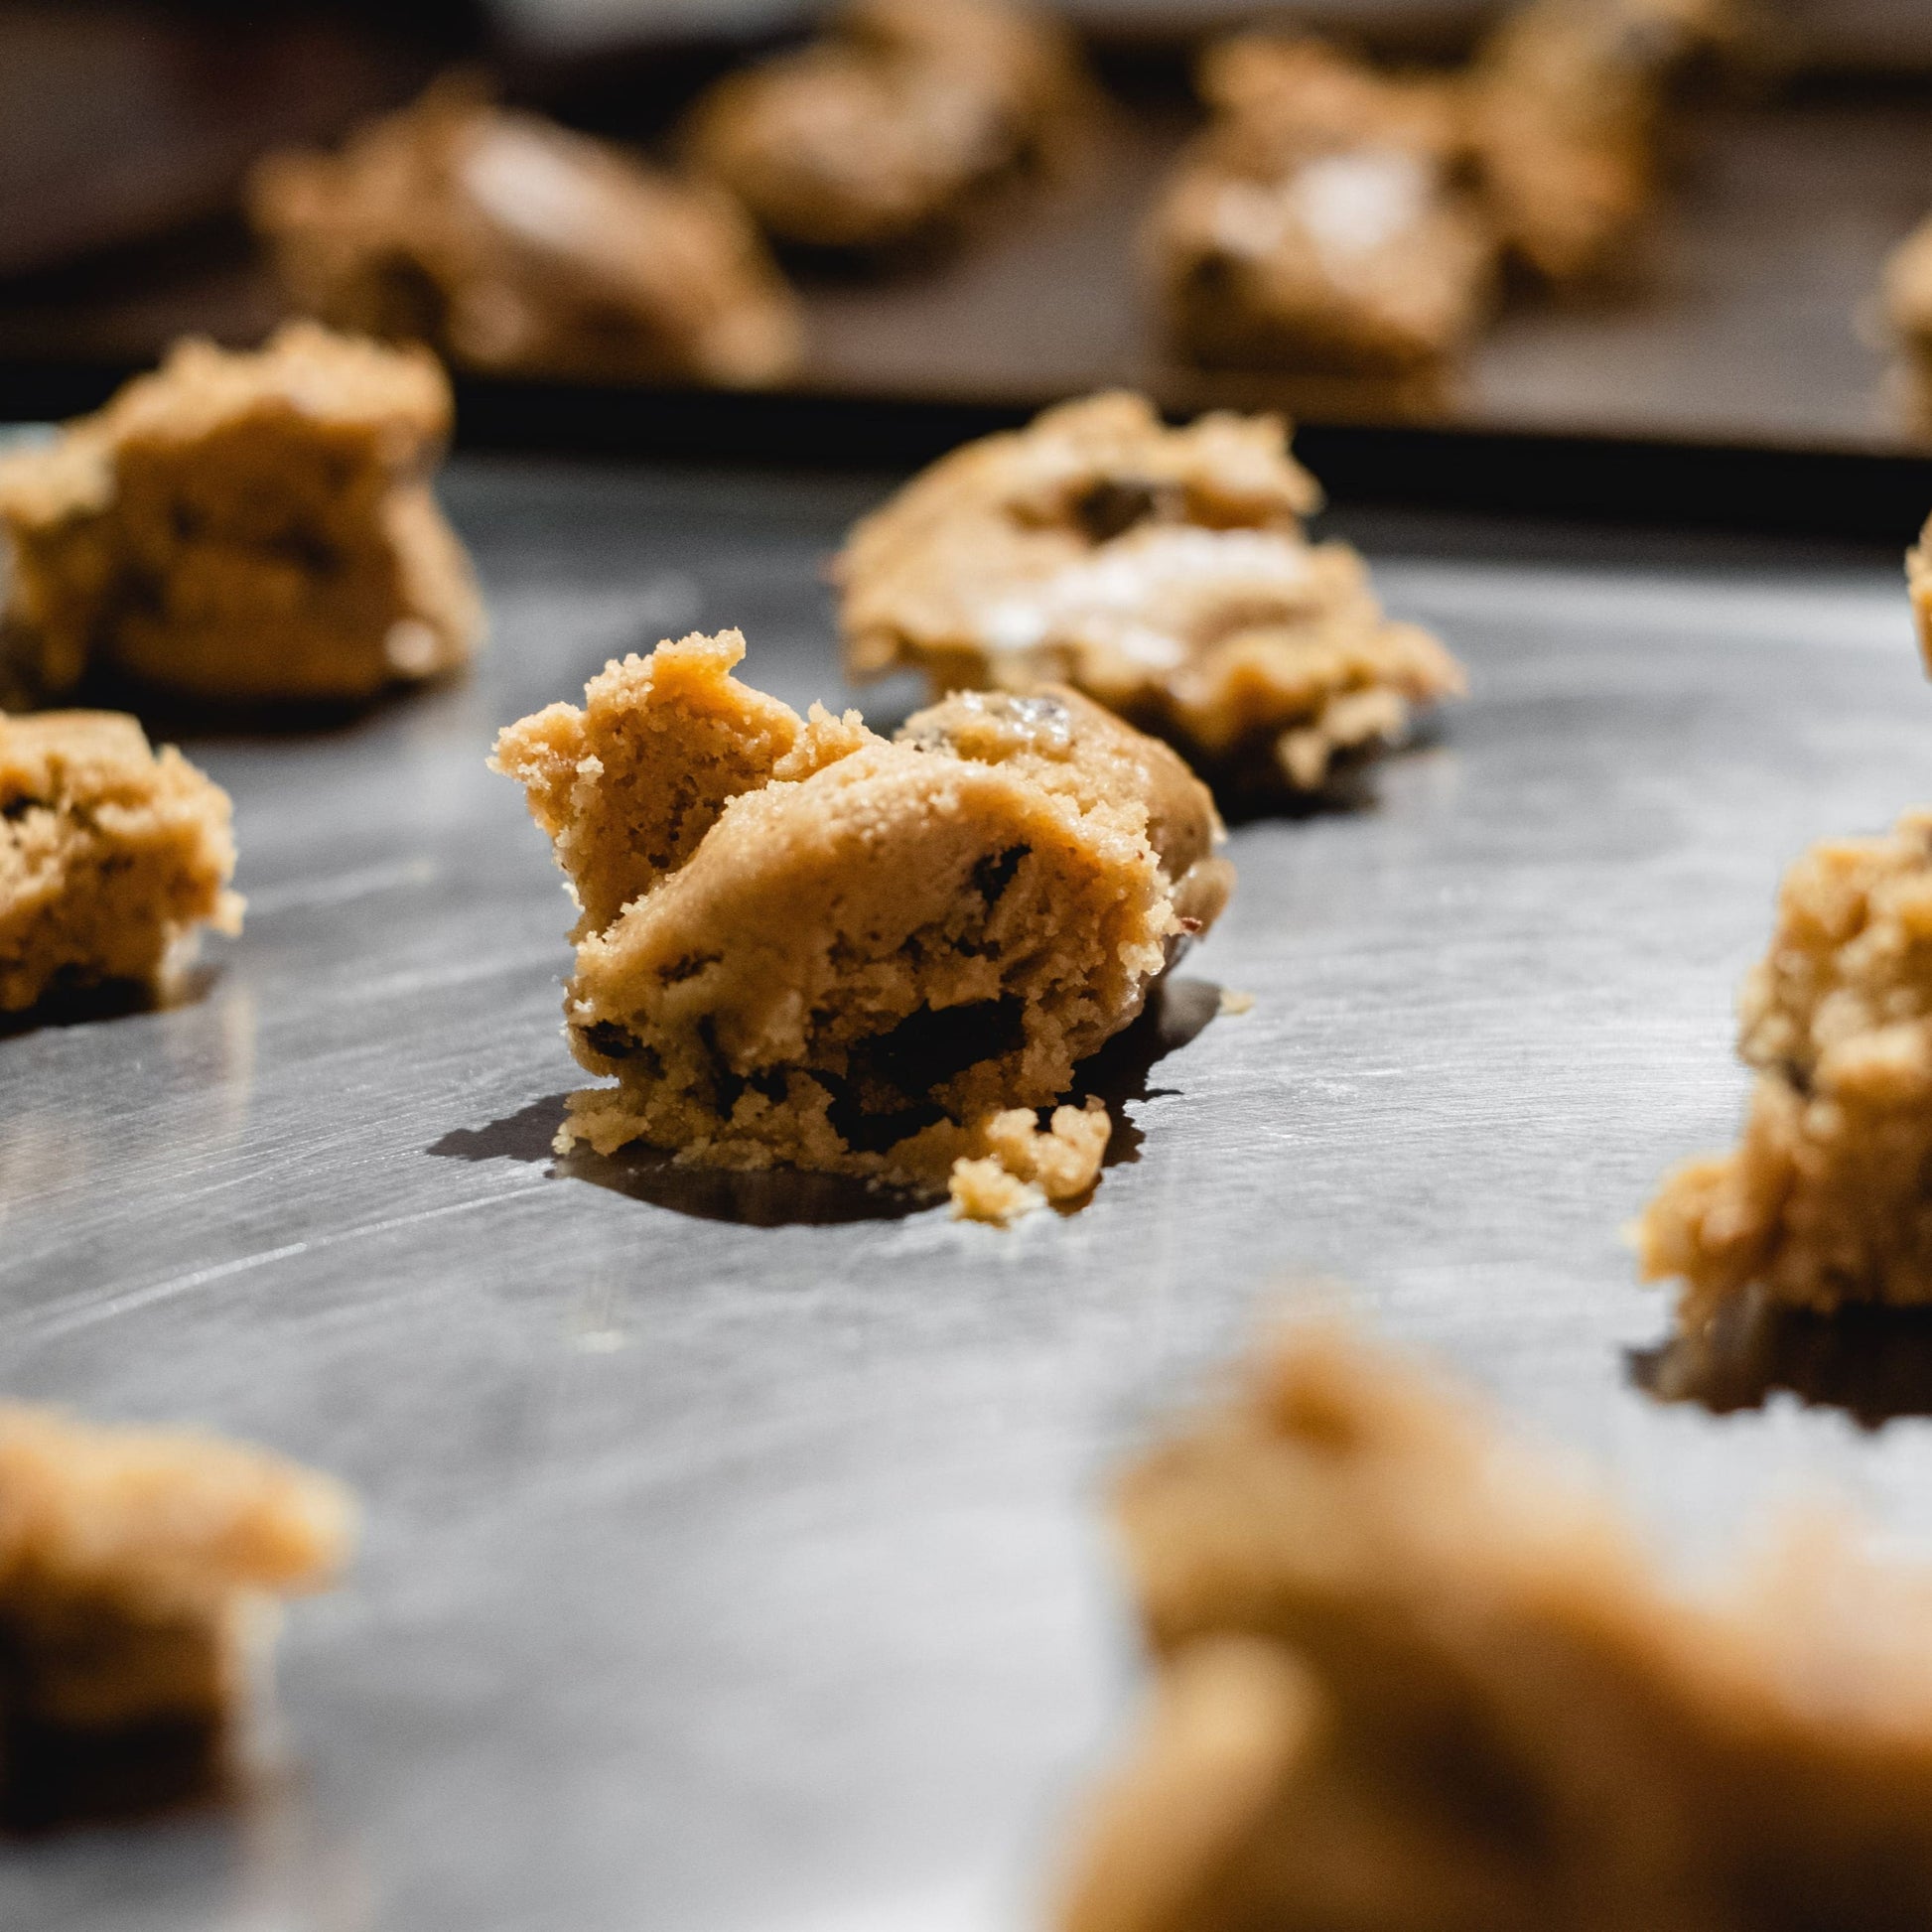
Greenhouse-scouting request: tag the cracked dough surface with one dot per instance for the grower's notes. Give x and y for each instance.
(1163, 572)
(802, 942)
(1416, 1677)
(1823, 1198)
(508, 242)
(135, 1571)
(111, 854)
(243, 526)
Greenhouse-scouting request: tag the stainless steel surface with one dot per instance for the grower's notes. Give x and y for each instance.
(731, 1576)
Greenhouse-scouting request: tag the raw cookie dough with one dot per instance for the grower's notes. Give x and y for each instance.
(1566, 108)
(1163, 572)
(1824, 1200)
(241, 526)
(137, 1569)
(895, 124)
(110, 854)
(1416, 1677)
(511, 243)
(1907, 297)
(1319, 223)
(802, 942)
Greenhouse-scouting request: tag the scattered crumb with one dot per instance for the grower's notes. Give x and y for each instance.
(1030, 1166)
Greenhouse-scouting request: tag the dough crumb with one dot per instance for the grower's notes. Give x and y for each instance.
(1233, 1003)
(984, 1191)
(245, 526)
(138, 1570)
(1029, 1165)
(1414, 1673)
(111, 855)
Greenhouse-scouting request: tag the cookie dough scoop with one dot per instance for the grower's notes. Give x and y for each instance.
(804, 943)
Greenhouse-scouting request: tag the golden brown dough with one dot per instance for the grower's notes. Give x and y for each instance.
(1161, 572)
(1823, 1199)
(802, 942)
(1564, 114)
(137, 1569)
(1321, 223)
(511, 243)
(892, 125)
(1907, 302)
(110, 854)
(250, 526)
(1415, 1677)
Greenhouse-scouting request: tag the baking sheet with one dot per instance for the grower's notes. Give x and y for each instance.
(1749, 318)
(736, 1563)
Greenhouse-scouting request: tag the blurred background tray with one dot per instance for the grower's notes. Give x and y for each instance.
(1747, 325)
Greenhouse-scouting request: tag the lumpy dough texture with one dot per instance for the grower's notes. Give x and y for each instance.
(891, 126)
(248, 527)
(1566, 106)
(135, 1568)
(1163, 572)
(802, 942)
(1824, 1200)
(1415, 1677)
(1318, 224)
(511, 243)
(110, 854)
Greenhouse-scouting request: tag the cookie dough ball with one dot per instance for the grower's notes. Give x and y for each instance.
(138, 1570)
(1415, 1673)
(1566, 105)
(896, 122)
(511, 244)
(111, 855)
(1161, 572)
(1907, 300)
(1319, 223)
(802, 942)
(250, 526)
(1824, 1200)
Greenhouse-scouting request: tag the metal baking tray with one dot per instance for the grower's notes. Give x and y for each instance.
(1747, 320)
(735, 1557)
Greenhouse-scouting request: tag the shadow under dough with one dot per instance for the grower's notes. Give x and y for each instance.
(1176, 1010)
(1874, 1363)
(85, 1005)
